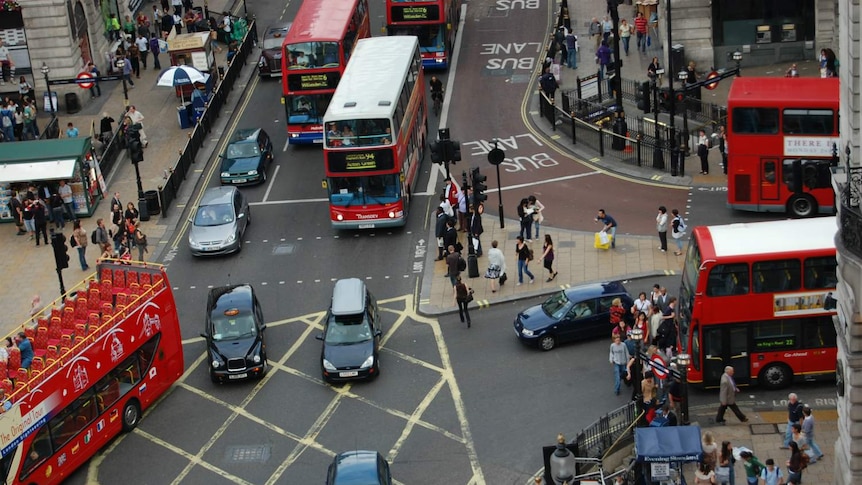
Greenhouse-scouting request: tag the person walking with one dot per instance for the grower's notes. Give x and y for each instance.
(81, 240)
(95, 90)
(722, 147)
(661, 227)
(607, 29)
(703, 152)
(794, 416)
(609, 226)
(138, 119)
(548, 258)
(155, 49)
(40, 221)
(496, 266)
(463, 296)
(525, 215)
(140, 240)
(524, 252)
(619, 357)
(548, 83)
(727, 397)
(625, 34)
(452, 262)
(127, 72)
(58, 211)
(571, 42)
(134, 55)
(771, 474)
(143, 45)
(724, 473)
(30, 127)
(808, 430)
(795, 465)
(752, 466)
(537, 216)
(704, 475)
(596, 31)
(710, 450)
(678, 234)
(641, 32)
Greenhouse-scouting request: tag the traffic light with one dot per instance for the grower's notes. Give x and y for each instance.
(436, 152)
(479, 186)
(464, 182)
(455, 151)
(644, 98)
(61, 250)
(136, 150)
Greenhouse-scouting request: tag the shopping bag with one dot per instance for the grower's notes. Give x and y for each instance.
(603, 237)
(555, 70)
(598, 244)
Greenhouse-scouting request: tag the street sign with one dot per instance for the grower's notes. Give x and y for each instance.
(496, 156)
(84, 80)
(713, 85)
(659, 367)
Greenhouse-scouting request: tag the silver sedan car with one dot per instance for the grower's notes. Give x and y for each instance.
(219, 223)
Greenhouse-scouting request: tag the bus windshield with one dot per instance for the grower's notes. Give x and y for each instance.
(307, 108)
(374, 189)
(359, 132)
(309, 55)
(430, 36)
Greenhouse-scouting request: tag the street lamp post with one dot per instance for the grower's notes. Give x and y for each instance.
(45, 71)
(620, 127)
(562, 462)
(683, 360)
(683, 145)
(495, 157)
(121, 64)
(637, 335)
(737, 57)
(674, 147)
(658, 152)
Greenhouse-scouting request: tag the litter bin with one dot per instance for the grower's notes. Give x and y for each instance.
(183, 117)
(152, 197)
(73, 104)
(143, 215)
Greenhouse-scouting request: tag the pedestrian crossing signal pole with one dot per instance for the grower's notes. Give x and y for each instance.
(495, 158)
(61, 257)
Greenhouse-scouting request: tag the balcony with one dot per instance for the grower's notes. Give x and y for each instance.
(850, 214)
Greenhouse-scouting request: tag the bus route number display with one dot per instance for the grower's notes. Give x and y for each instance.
(360, 161)
(312, 81)
(403, 13)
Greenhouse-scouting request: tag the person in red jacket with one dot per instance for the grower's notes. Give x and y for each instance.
(641, 31)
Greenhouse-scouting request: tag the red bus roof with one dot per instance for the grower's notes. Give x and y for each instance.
(781, 91)
(748, 239)
(318, 20)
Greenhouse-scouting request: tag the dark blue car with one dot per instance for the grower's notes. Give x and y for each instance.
(246, 158)
(358, 467)
(351, 334)
(576, 313)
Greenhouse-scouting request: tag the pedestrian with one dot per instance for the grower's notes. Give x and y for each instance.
(661, 227)
(6, 65)
(524, 256)
(625, 34)
(190, 20)
(131, 213)
(178, 23)
(138, 118)
(26, 349)
(57, 211)
(155, 49)
(808, 429)
(722, 147)
(725, 473)
(101, 233)
(450, 236)
(792, 71)
(27, 218)
(30, 127)
(752, 466)
(18, 117)
(462, 211)
(141, 243)
(453, 263)
(619, 357)
(106, 128)
(178, 6)
(771, 474)
(704, 475)
(548, 258)
(667, 331)
(691, 73)
(95, 89)
(607, 29)
(641, 305)
(595, 31)
(143, 45)
(439, 232)
(7, 121)
(703, 152)
(496, 266)
(802, 442)
(537, 216)
(678, 228)
(25, 89)
(794, 416)
(526, 219)
(641, 31)
(603, 58)
(40, 221)
(560, 42)
(71, 131)
(157, 15)
(114, 28)
(129, 28)
(79, 234)
(16, 207)
(548, 83)
(127, 71)
(476, 230)
(727, 397)
(827, 63)
(134, 55)
(143, 23)
(463, 297)
(115, 200)
(188, 5)
(798, 461)
(167, 22)
(652, 71)
(609, 225)
(571, 50)
(617, 312)
(710, 450)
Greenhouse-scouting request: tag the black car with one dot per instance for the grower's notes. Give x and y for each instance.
(358, 467)
(269, 64)
(235, 334)
(351, 334)
(246, 157)
(575, 313)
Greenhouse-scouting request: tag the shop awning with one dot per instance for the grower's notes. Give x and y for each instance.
(668, 444)
(35, 171)
(44, 150)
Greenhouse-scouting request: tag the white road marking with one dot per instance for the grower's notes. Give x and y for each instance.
(271, 182)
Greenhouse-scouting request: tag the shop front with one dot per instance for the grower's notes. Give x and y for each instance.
(43, 164)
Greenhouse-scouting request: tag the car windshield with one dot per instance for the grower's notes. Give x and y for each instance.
(557, 305)
(274, 38)
(309, 55)
(347, 330)
(214, 215)
(238, 326)
(243, 150)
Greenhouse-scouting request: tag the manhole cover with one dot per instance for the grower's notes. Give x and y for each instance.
(248, 454)
(766, 428)
(521, 78)
(282, 249)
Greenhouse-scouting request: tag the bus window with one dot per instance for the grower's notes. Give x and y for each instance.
(772, 276)
(820, 273)
(755, 121)
(695, 347)
(809, 121)
(819, 333)
(776, 335)
(39, 451)
(727, 279)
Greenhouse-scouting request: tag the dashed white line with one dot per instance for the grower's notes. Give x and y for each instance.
(271, 183)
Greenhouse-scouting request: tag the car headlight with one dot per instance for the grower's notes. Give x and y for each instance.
(261, 62)
(368, 362)
(253, 172)
(328, 366)
(256, 359)
(216, 363)
(230, 239)
(193, 243)
(527, 333)
(225, 174)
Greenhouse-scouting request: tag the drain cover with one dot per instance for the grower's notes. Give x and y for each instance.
(282, 249)
(247, 454)
(766, 428)
(520, 78)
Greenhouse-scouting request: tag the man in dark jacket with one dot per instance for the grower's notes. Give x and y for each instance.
(450, 237)
(476, 229)
(40, 220)
(439, 232)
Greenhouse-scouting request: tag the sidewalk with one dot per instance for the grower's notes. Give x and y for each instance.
(32, 268)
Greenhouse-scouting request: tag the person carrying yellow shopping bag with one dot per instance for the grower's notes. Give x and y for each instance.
(610, 226)
(602, 240)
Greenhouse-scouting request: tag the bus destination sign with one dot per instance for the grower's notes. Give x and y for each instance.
(405, 13)
(309, 82)
(360, 161)
(778, 342)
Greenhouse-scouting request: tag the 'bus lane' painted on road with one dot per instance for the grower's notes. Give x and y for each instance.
(515, 49)
(517, 163)
(503, 5)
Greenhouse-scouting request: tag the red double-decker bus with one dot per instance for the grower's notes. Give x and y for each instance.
(316, 51)
(434, 23)
(782, 137)
(99, 361)
(757, 296)
(375, 134)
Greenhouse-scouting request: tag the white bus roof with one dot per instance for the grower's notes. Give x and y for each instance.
(784, 236)
(372, 81)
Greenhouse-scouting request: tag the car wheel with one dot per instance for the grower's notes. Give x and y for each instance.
(131, 415)
(802, 206)
(239, 244)
(547, 342)
(248, 216)
(264, 175)
(776, 376)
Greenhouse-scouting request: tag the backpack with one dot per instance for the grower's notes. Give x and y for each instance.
(681, 227)
(659, 421)
(93, 237)
(529, 254)
(462, 265)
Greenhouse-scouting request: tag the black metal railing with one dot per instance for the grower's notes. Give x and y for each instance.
(175, 175)
(51, 130)
(112, 151)
(613, 429)
(851, 212)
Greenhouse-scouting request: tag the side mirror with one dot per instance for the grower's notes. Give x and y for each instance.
(240, 215)
(263, 327)
(319, 336)
(378, 333)
(204, 335)
(221, 155)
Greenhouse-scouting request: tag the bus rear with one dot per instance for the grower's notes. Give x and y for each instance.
(756, 296)
(100, 359)
(434, 23)
(375, 134)
(782, 139)
(315, 54)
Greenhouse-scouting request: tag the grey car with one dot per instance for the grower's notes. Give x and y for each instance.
(219, 222)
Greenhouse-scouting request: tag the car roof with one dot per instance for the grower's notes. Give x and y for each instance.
(279, 28)
(217, 195)
(245, 135)
(356, 467)
(595, 290)
(348, 297)
(232, 296)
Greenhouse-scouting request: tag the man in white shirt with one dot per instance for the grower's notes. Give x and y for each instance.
(138, 118)
(5, 63)
(144, 46)
(65, 192)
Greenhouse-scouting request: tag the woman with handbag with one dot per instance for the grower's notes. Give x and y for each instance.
(496, 266)
(724, 472)
(548, 257)
(463, 296)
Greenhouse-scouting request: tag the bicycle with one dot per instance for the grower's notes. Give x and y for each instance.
(437, 98)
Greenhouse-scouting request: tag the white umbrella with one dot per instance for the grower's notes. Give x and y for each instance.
(180, 76)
